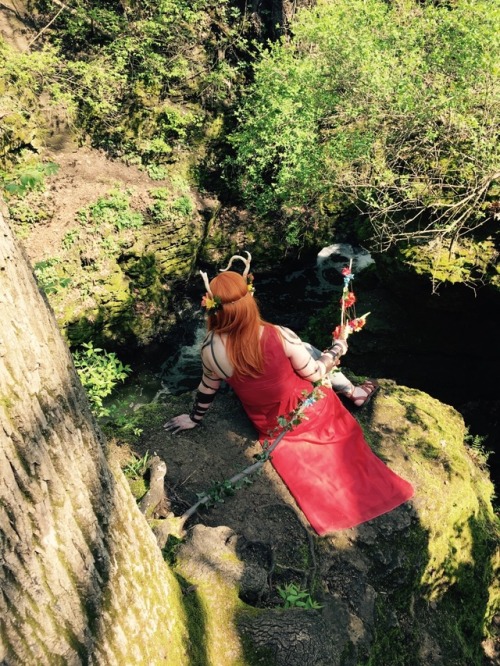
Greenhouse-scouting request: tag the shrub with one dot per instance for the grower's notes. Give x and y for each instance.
(390, 106)
(99, 371)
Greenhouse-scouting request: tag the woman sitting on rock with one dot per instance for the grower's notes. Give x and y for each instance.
(336, 479)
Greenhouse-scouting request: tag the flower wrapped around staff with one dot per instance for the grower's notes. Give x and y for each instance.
(348, 299)
(212, 304)
(351, 326)
(347, 273)
(349, 322)
(357, 323)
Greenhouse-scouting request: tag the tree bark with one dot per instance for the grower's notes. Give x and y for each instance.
(81, 576)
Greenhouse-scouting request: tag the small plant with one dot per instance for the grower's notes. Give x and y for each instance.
(47, 277)
(137, 467)
(160, 193)
(161, 210)
(294, 596)
(113, 209)
(29, 177)
(156, 171)
(477, 450)
(218, 491)
(183, 205)
(25, 212)
(99, 371)
(221, 489)
(70, 238)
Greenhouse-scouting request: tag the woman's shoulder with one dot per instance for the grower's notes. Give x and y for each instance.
(287, 335)
(212, 340)
(214, 356)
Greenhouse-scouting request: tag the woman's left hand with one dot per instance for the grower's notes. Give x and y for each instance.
(178, 423)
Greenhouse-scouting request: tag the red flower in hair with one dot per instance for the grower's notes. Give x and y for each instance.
(211, 305)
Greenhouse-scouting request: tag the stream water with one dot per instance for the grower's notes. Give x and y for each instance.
(427, 350)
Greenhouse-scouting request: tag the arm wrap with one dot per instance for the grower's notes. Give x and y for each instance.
(200, 406)
(330, 356)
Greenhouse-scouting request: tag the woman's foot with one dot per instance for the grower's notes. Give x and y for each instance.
(362, 394)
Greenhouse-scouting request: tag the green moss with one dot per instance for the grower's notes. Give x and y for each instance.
(212, 608)
(449, 553)
(465, 262)
(6, 402)
(196, 624)
(138, 487)
(166, 644)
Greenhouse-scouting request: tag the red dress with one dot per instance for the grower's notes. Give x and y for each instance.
(336, 479)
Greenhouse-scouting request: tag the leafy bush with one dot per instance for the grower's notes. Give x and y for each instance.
(140, 74)
(99, 371)
(390, 106)
(25, 78)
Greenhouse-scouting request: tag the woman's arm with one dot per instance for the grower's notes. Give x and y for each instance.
(207, 390)
(302, 361)
(205, 394)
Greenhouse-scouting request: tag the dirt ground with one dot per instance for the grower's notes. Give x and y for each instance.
(272, 530)
(84, 175)
(263, 512)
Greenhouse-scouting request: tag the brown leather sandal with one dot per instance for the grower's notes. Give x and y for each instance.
(370, 387)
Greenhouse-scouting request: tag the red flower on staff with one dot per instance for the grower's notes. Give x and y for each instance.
(357, 324)
(337, 332)
(348, 300)
(346, 271)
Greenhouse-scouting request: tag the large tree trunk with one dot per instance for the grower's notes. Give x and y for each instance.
(81, 577)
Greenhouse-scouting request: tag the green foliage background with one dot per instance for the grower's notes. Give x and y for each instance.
(392, 107)
(140, 79)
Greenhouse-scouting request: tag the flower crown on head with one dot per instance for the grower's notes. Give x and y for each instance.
(213, 304)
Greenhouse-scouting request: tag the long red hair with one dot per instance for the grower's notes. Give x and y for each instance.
(239, 319)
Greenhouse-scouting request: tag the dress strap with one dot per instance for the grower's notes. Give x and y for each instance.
(209, 343)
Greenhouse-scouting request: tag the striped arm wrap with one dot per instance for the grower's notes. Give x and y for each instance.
(200, 406)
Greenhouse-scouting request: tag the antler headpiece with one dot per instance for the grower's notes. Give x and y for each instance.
(245, 261)
(213, 303)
